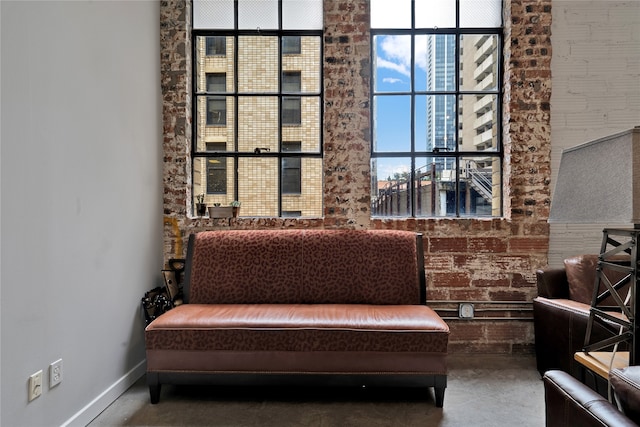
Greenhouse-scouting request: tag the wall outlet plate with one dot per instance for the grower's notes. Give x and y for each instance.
(465, 310)
(35, 385)
(55, 373)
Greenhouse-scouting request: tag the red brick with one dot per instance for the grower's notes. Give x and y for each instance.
(452, 244)
(487, 244)
(528, 244)
(451, 279)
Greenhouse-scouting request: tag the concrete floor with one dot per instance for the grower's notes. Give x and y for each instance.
(482, 391)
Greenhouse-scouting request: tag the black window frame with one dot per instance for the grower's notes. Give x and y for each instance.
(293, 119)
(437, 152)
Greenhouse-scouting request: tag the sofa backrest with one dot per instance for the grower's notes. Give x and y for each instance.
(581, 277)
(305, 266)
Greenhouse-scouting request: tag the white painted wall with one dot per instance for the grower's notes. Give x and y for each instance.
(595, 71)
(81, 200)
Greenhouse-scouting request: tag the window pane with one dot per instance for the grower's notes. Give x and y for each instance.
(390, 14)
(207, 132)
(425, 191)
(479, 62)
(213, 177)
(308, 200)
(435, 62)
(392, 62)
(291, 45)
(254, 14)
(479, 123)
(216, 82)
(435, 13)
(258, 185)
(435, 123)
(258, 60)
(213, 64)
(480, 179)
(437, 188)
(213, 14)
(390, 194)
(291, 111)
(481, 13)
(215, 45)
(291, 82)
(216, 175)
(291, 183)
(216, 111)
(307, 129)
(392, 115)
(257, 123)
(302, 14)
(305, 61)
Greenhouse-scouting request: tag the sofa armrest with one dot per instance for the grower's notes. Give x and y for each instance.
(568, 402)
(552, 283)
(626, 384)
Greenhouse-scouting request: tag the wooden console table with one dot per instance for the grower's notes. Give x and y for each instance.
(599, 362)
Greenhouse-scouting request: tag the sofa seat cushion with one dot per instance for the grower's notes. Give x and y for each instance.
(299, 327)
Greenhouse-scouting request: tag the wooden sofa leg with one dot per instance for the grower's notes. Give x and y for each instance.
(439, 388)
(154, 393)
(153, 381)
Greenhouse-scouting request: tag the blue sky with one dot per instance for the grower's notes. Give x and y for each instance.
(393, 113)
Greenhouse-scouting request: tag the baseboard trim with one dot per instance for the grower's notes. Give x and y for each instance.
(85, 415)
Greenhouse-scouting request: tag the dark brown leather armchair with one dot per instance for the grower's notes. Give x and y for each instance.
(568, 402)
(561, 312)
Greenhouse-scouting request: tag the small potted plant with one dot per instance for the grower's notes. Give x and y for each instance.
(236, 208)
(201, 207)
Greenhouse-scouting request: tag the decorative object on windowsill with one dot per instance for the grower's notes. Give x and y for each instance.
(217, 211)
(599, 182)
(201, 207)
(236, 208)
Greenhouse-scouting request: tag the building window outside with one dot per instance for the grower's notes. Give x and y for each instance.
(216, 170)
(436, 97)
(263, 93)
(216, 46)
(291, 45)
(291, 175)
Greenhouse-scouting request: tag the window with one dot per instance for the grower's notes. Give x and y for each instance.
(436, 97)
(216, 170)
(291, 172)
(257, 87)
(291, 45)
(216, 111)
(216, 46)
(216, 82)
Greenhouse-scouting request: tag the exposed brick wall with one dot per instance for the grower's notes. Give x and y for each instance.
(466, 259)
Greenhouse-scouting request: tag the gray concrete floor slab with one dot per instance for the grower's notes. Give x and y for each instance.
(482, 391)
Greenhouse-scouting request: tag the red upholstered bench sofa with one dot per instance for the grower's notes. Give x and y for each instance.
(321, 307)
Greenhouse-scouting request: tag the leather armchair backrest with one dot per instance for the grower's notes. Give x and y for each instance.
(581, 275)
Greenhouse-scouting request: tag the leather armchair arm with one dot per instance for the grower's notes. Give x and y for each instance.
(568, 402)
(552, 283)
(626, 384)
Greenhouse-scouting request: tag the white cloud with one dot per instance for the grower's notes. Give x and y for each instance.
(400, 68)
(391, 80)
(397, 53)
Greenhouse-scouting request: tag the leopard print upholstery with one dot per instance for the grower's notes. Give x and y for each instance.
(304, 266)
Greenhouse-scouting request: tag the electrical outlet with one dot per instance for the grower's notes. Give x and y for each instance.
(465, 310)
(55, 373)
(35, 385)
